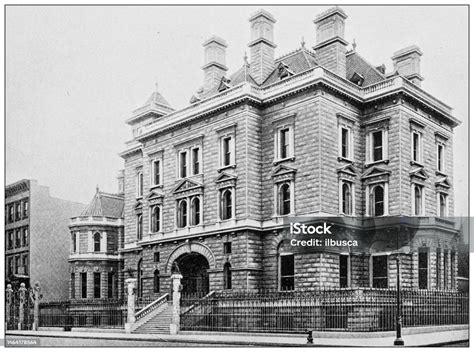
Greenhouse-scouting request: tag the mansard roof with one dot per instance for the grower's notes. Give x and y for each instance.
(105, 204)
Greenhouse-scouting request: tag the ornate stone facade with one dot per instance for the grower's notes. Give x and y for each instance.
(212, 186)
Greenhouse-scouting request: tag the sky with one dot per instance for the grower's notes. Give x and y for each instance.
(75, 73)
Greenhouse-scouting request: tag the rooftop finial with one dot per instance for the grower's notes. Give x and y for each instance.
(156, 84)
(245, 58)
(354, 44)
(97, 188)
(302, 42)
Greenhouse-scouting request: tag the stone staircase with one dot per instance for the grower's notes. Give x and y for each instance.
(157, 322)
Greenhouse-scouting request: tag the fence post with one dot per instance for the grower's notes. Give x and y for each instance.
(37, 295)
(131, 284)
(9, 303)
(176, 282)
(21, 310)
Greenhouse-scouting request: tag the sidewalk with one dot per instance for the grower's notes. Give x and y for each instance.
(412, 337)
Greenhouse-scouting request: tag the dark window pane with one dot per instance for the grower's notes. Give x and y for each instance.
(377, 145)
(344, 143)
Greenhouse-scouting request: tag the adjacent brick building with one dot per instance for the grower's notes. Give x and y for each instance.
(318, 132)
(96, 235)
(36, 238)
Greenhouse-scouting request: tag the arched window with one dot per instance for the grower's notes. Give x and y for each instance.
(442, 204)
(140, 278)
(418, 200)
(284, 196)
(346, 199)
(227, 277)
(97, 242)
(226, 204)
(155, 218)
(156, 281)
(182, 213)
(139, 226)
(378, 196)
(195, 211)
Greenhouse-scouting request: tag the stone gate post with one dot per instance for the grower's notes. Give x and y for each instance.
(9, 305)
(176, 282)
(21, 311)
(37, 296)
(131, 284)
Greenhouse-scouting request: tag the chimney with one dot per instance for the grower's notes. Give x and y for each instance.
(121, 181)
(330, 45)
(262, 48)
(214, 62)
(407, 62)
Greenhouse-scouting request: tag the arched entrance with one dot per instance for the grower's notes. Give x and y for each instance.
(193, 266)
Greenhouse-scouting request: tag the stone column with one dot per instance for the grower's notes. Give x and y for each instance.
(9, 304)
(131, 288)
(176, 284)
(21, 310)
(37, 296)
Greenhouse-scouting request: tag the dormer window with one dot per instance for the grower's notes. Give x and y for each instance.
(357, 79)
(284, 71)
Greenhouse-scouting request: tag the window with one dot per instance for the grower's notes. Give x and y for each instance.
(183, 167)
(25, 237)
(156, 172)
(423, 268)
(182, 213)
(377, 198)
(418, 195)
(195, 211)
(195, 160)
(227, 277)
(25, 264)
(140, 278)
(73, 285)
(10, 213)
(10, 267)
(345, 142)
(25, 209)
(139, 226)
(155, 218)
(346, 206)
(377, 146)
(442, 201)
(416, 146)
(156, 281)
(446, 269)
(226, 151)
(156, 257)
(343, 271)
(17, 264)
(438, 268)
(18, 239)
(140, 184)
(379, 271)
(453, 270)
(74, 243)
(440, 158)
(284, 143)
(284, 196)
(10, 240)
(287, 272)
(227, 247)
(96, 285)
(97, 242)
(226, 204)
(83, 285)
(18, 211)
(110, 285)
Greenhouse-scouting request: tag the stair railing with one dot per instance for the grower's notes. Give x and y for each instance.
(192, 306)
(151, 307)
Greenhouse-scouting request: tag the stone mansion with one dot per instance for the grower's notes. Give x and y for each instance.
(318, 132)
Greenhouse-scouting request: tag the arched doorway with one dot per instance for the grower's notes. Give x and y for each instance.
(193, 266)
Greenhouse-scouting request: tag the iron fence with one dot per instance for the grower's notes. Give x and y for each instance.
(337, 309)
(94, 314)
(13, 313)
